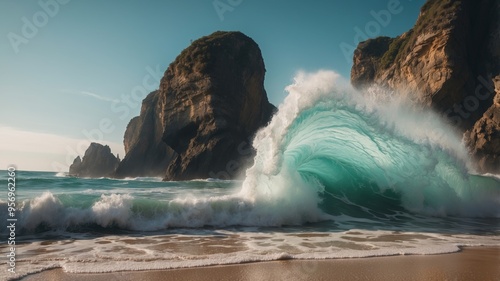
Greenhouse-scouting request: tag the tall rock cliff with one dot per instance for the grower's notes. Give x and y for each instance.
(201, 121)
(213, 102)
(98, 161)
(450, 61)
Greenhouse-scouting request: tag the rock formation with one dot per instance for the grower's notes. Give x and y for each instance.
(199, 124)
(98, 161)
(213, 102)
(484, 137)
(450, 61)
(145, 152)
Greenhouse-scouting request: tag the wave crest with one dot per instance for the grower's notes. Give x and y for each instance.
(370, 157)
(330, 152)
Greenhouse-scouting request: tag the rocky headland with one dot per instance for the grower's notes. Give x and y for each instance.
(200, 122)
(450, 61)
(212, 102)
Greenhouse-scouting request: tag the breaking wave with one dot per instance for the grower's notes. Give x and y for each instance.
(329, 152)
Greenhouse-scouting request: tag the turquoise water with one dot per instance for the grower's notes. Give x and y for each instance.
(53, 201)
(49, 202)
(337, 174)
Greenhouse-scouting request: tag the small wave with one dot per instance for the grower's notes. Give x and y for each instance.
(491, 175)
(48, 212)
(124, 211)
(148, 179)
(217, 180)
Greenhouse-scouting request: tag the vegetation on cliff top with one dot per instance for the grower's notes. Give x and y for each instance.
(385, 51)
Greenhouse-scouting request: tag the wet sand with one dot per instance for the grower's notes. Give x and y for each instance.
(475, 263)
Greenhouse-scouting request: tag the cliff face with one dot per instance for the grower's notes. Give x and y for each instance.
(213, 101)
(146, 153)
(98, 161)
(450, 61)
(201, 121)
(484, 137)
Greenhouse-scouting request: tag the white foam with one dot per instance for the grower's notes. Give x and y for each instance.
(272, 195)
(275, 193)
(113, 209)
(323, 124)
(491, 175)
(217, 247)
(61, 175)
(146, 179)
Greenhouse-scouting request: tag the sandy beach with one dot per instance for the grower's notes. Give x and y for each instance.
(475, 263)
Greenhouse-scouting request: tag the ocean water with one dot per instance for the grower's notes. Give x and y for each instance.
(338, 174)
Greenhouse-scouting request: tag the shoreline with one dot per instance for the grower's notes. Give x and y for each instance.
(470, 263)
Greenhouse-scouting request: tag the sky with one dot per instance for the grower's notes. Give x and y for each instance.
(74, 71)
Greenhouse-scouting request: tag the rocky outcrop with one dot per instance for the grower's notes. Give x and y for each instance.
(450, 61)
(75, 167)
(146, 153)
(98, 161)
(484, 137)
(213, 101)
(201, 121)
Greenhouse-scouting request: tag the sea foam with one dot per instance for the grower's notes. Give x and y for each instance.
(329, 151)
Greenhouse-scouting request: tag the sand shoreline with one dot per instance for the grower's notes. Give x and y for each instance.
(471, 263)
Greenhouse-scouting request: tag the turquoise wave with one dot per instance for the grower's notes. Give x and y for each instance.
(368, 158)
(329, 154)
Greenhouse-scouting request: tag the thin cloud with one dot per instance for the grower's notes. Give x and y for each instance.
(96, 96)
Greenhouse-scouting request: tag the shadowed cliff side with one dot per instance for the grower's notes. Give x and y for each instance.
(201, 121)
(146, 153)
(450, 61)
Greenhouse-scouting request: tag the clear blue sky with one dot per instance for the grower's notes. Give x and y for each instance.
(62, 65)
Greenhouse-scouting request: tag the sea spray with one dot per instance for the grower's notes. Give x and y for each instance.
(366, 156)
(378, 175)
(329, 153)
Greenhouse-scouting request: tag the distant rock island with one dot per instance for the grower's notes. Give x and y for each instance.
(449, 61)
(98, 161)
(200, 122)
